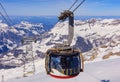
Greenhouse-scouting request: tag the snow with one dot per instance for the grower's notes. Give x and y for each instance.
(56, 73)
(27, 25)
(18, 71)
(22, 32)
(103, 71)
(13, 30)
(3, 25)
(116, 49)
(96, 70)
(107, 20)
(59, 28)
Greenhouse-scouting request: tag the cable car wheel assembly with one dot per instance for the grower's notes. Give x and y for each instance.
(64, 61)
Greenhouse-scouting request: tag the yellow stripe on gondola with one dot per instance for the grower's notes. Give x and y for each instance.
(66, 71)
(71, 72)
(62, 71)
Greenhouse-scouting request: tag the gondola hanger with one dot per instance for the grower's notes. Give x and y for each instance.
(65, 61)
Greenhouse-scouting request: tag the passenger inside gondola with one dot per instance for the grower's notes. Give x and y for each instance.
(55, 62)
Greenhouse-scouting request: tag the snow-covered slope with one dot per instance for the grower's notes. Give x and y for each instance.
(17, 72)
(104, 71)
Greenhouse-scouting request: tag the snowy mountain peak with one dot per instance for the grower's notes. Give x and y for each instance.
(3, 26)
(25, 24)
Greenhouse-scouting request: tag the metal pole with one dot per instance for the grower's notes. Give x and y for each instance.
(71, 28)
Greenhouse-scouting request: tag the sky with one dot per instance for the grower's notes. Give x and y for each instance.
(54, 7)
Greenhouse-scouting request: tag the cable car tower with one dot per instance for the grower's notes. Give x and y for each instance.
(64, 61)
(28, 57)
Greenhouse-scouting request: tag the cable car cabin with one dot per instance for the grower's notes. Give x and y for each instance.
(63, 62)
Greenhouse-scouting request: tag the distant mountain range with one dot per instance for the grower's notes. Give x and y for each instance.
(10, 37)
(98, 39)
